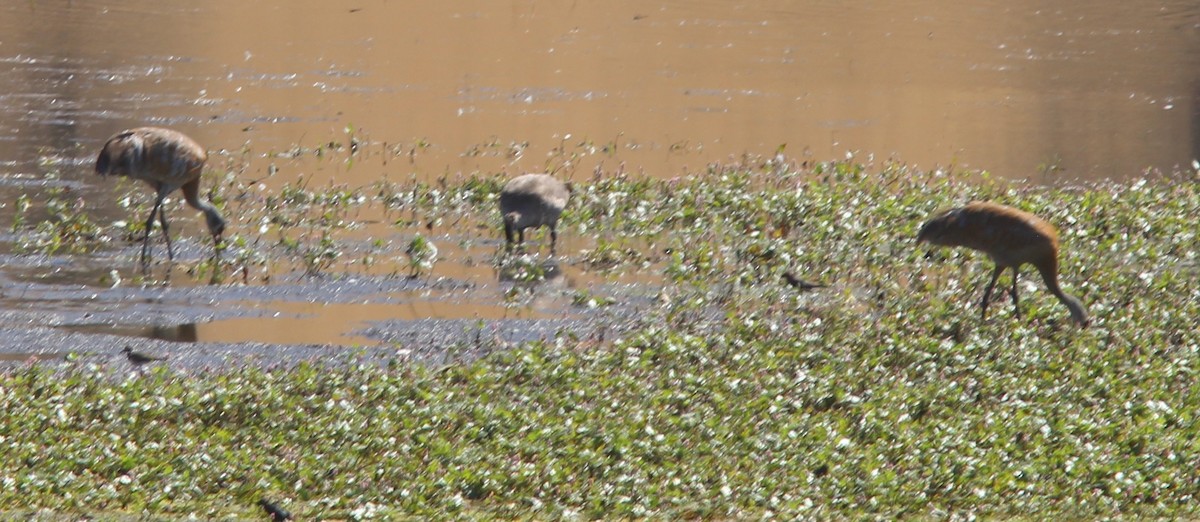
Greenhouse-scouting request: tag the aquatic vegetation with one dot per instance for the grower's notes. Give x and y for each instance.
(64, 227)
(726, 395)
(610, 254)
(317, 257)
(587, 299)
(422, 254)
(521, 269)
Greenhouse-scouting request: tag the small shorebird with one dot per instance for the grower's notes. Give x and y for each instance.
(800, 284)
(139, 359)
(530, 201)
(168, 161)
(277, 513)
(1011, 237)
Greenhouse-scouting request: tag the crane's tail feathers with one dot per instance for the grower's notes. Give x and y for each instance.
(102, 163)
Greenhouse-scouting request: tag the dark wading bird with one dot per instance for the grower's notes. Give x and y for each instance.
(137, 359)
(800, 284)
(1011, 238)
(532, 200)
(276, 513)
(168, 161)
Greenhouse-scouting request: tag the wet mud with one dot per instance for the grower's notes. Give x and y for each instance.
(59, 310)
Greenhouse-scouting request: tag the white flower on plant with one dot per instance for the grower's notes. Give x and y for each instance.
(422, 254)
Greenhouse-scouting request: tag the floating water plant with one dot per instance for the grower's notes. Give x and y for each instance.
(718, 392)
(422, 254)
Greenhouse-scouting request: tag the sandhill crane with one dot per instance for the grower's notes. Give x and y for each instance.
(167, 160)
(532, 200)
(1011, 238)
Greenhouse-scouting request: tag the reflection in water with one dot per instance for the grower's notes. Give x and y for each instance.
(277, 330)
(541, 284)
(527, 269)
(28, 357)
(183, 333)
(306, 323)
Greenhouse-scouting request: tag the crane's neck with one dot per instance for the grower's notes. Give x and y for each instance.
(1078, 312)
(212, 216)
(207, 208)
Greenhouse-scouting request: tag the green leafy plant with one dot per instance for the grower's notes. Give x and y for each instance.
(716, 391)
(66, 227)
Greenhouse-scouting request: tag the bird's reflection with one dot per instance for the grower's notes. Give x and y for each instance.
(535, 284)
(528, 270)
(180, 333)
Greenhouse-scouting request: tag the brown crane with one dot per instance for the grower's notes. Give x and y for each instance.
(532, 200)
(1012, 238)
(168, 160)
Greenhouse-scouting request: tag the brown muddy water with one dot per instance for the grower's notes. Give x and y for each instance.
(1043, 91)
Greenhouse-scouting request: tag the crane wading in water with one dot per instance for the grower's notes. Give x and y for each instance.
(1011, 237)
(168, 160)
(531, 201)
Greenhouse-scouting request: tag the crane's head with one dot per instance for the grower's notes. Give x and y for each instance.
(936, 230)
(216, 226)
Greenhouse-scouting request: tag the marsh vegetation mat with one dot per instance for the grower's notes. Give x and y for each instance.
(725, 393)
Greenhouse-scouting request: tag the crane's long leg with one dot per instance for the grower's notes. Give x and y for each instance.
(149, 227)
(162, 218)
(1016, 303)
(217, 247)
(987, 294)
(508, 234)
(553, 239)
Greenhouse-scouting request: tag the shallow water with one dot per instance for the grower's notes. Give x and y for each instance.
(1094, 88)
(1079, 89)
